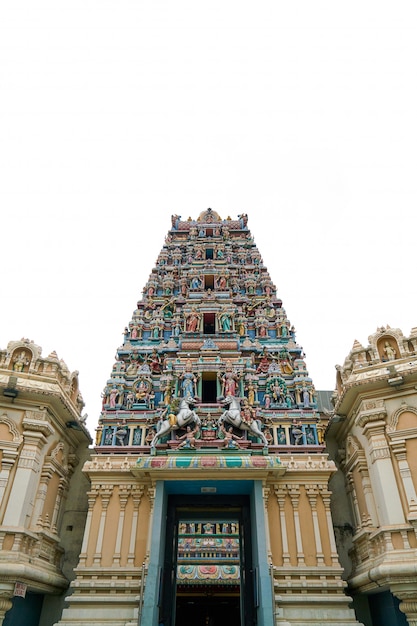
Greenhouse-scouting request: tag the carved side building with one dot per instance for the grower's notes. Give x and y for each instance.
(372, 436)
(43, 502)
(209, 500)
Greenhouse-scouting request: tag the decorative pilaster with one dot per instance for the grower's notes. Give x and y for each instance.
(22, 496)
(408, 606)
(57, 505)
(354, 499)
(46, 476)
(92, 497)
(8, 459)
(383, 477)
(105, 493)
(400, 452)
(281, 493)
(266, 491)
(5, 605)
(325, 496)
(312, 493)
(137, 493)
(123, 498)
(370, 513)
(294, 493)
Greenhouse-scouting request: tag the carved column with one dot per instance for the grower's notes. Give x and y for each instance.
(137, 494)
(105, 493)
(57, 505)
(22, 496)
(281, 493)
(371, 515)
(151, 496)
(382, 475)
(266, 493)
(312, 493)
(408, 606)
(9, 456)
(325, 496)
(352, 492)
(5, 605)
(400, 452)
(406, 542)
(46, 476)
(92, 497)
(123, 497)
(294, 493)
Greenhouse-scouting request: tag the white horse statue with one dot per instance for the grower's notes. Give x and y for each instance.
(185, 415)
(232, 416)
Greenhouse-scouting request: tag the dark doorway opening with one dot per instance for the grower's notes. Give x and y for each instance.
(210, 609)
(209, 327)
(209, 282)
(209, 388)
(210, 601)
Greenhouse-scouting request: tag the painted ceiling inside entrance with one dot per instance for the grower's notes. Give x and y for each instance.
(208, 551)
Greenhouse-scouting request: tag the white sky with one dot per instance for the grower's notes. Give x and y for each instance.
(114, 115)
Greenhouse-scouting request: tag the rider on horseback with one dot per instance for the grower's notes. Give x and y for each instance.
(170, 412)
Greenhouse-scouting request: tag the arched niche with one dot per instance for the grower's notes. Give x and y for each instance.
(8, 430)
(405, 418)
(388, 349)
(21, 359)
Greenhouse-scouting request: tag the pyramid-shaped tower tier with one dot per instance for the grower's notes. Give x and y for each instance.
(210, 326)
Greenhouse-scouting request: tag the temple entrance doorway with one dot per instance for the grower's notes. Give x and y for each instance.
(213, 609)
(207, 574)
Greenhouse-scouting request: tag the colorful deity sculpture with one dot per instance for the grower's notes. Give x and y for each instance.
(188, 381)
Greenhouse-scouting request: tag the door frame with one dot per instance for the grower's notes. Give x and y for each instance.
(197, 508)
(253, 489)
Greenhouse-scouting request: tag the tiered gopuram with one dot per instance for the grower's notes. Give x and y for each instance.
(209, 501)
(210, 326)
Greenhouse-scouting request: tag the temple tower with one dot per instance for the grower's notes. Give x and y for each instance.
(209, 501)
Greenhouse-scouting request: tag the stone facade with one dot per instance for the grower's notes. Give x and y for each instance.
(209, 420)
(218, 477)
(44, 445)
(372, 436)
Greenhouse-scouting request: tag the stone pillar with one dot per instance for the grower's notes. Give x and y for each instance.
(325, 496)
(46, 476)
(123, 497)
(25, 484)
(57, 506)
(266, 492)
(105, 493)
(312, 493)
(151, 495)
(400, 452)
(92, 496)
(9, 456)
(137, 493)
(367, 492)
(354, 499)
(408, 606)
(281, 493)
(294, 492)
(381, 471)
(5, 604)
